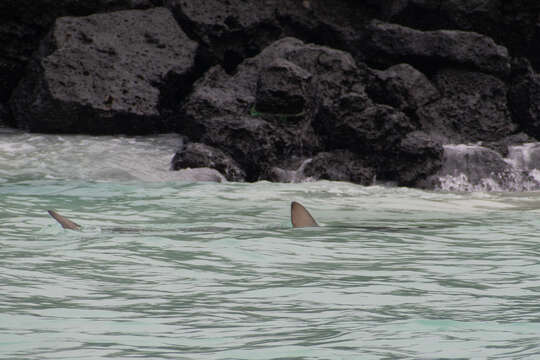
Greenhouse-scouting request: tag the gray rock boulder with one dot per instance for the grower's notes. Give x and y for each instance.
(105, 74)
(23, 23)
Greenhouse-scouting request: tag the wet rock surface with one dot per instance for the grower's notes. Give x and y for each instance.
(363, 89)
(475, 168)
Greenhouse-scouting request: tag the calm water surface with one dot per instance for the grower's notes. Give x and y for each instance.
(214, 271)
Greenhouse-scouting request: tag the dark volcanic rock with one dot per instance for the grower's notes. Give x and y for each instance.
(473, 107)
(402, 87)
(10, 73)
(282, 88)
(231, 30)
(197, 155)
(339, 165)
(105, 74)
(524, 99)
(24, 22)
(417, 157)
(237, 29)
(312, 99)
(510, 23)
(5, 115)
(388, 44)
(254, 143)
(371, 129)
(223, 110)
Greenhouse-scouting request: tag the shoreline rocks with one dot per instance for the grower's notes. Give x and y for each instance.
(261, 89)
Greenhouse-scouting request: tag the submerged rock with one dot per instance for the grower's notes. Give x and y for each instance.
(104, 73)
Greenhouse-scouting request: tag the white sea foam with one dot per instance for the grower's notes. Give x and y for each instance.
(88, 157)
(474, 168)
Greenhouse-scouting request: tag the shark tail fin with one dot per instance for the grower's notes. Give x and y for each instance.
(66, 223)
(300, 217)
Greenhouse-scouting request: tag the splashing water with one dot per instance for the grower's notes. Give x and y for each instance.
(476, 168)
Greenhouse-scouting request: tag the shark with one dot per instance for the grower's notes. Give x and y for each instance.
(300, 218)
(65, 222)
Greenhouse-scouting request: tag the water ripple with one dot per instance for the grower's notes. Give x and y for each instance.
(214, 271)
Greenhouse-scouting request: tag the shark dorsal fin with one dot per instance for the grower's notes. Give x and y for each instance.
(300, 217)
(66, 224)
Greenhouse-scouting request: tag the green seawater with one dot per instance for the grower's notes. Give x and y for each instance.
(215, 271)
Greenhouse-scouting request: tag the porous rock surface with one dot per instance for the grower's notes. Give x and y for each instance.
(104, 73)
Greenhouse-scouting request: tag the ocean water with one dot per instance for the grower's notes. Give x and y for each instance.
(170, 269)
